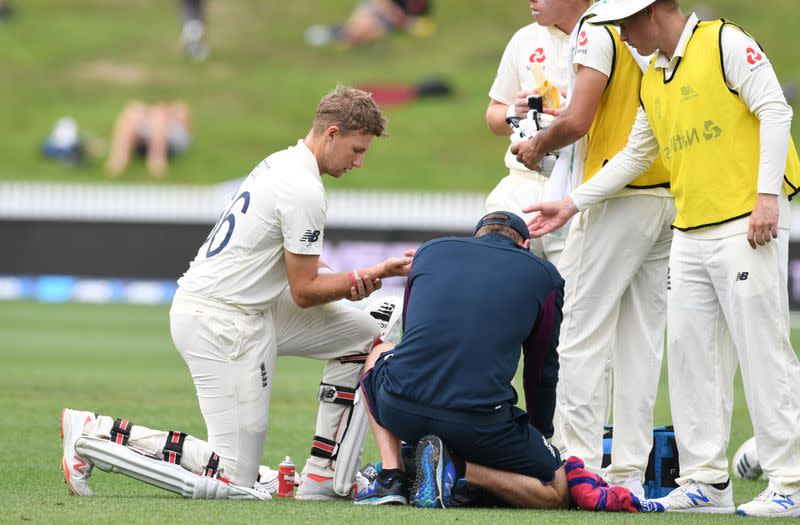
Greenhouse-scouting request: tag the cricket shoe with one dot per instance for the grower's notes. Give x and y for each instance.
(76, 469)
(383, 490)
(267, 479)
(745, 461)
(317, 488)
(436, 474)
(632, 483)
(770, 504)
(699, 497)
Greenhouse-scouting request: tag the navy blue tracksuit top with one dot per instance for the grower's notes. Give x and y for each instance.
(471, 305)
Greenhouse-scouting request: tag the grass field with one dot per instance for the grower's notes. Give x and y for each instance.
(256, 93)
(119, 360)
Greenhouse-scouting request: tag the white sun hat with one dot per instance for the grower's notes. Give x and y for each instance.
(614, 10)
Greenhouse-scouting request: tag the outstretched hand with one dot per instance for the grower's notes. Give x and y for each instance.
(552, 215)
(397, 266)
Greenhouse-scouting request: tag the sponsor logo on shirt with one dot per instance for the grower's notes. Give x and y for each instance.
(583, 39)
(756, 59)
(687, 92)
(689, 138)
(538, 56)
(753, 56)
(310, 236)
(711, 130)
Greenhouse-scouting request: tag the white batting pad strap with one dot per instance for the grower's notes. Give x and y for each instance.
(112, 457)
(349, 455)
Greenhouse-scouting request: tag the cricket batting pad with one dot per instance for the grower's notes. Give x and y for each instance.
(348, 456)
(112, 457)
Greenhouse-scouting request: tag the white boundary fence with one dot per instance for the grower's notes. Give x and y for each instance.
(358, 209)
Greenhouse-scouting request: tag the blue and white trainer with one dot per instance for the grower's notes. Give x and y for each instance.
(436, 474)
(699, 497)
(771, 504)
(383, 490)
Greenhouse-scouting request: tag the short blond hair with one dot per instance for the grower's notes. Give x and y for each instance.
(351, 110)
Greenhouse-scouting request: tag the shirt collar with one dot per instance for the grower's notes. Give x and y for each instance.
(308, 158)
(662, 62)
(498, 239)
(556, 33)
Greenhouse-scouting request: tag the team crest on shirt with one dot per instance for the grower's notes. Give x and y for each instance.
(538, 56)
(310, 236)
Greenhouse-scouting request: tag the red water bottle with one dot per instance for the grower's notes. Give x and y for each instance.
(286, 472)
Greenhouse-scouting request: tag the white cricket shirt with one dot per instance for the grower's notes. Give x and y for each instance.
(595, 49)
(280, 205)
(533, 44)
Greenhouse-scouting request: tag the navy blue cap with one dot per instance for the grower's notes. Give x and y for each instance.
(511, 220)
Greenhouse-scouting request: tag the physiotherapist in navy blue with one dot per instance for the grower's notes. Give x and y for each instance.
(472, 305)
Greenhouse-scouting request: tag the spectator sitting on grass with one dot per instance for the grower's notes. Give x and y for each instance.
(372, 20)
(156, 132)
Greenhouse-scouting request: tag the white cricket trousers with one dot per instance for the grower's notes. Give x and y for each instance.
(614, 266)
(231, 356)
(728, 302)
(519, 189)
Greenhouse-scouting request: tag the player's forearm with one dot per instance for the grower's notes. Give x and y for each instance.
(774, 150)
(540, 376)
(326, 287)
(561, 133)
(637, 156)
(496, 119)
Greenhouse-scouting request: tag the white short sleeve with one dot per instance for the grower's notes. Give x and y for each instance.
(507, 82)
(303, 222)
(595, 49)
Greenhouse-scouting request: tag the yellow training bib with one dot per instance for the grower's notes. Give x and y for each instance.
(709, 139)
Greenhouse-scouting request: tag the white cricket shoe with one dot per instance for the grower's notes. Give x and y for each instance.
(745, 461)
(632, 483)
(267, 479)
(317, 488)
(770, 504)
(76, 469)
(699, 497)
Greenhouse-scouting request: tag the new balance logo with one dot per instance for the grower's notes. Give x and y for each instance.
(785, 503)
(742, 276)
(698, 498)
(264, 380)
(383, 312)
(310, 236)
(79, 465)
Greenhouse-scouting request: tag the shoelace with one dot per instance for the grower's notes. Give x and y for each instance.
(686, 488)
(767, 496)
